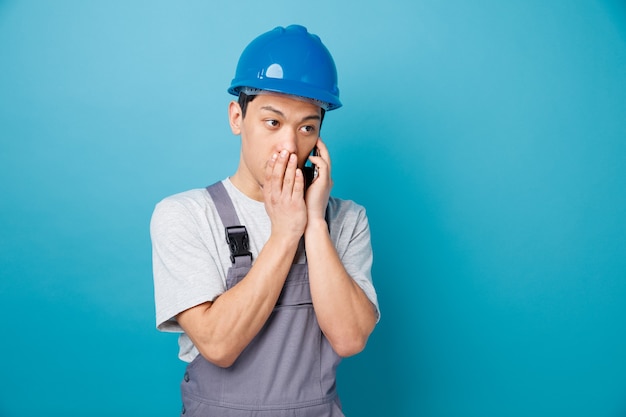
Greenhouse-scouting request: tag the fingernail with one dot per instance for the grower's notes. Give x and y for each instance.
(283, 153)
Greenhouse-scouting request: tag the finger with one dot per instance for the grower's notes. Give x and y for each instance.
(269, 169)
(298, 186)
(320, 163)
(324, 155)
(278, 171)
(290, 175)
(323, 150)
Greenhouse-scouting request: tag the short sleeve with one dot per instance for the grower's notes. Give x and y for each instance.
(185, 263)
(350, 230)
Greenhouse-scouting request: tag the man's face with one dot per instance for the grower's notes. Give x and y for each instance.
(273, 122)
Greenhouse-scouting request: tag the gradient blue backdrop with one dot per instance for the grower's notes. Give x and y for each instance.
(486, 139)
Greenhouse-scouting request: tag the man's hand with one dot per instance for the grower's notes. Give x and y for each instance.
(284, 196)
(344, 313)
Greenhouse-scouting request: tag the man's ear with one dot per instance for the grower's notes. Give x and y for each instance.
(235, 117)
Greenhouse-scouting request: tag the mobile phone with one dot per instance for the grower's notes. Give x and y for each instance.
(310, 171)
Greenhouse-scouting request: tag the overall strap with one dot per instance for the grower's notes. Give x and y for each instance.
(236, 233)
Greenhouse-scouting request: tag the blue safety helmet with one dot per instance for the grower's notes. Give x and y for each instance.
(290, 61)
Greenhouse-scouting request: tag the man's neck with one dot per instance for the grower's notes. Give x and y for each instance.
(247, 185)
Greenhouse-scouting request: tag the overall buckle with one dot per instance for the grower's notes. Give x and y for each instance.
(238, 242)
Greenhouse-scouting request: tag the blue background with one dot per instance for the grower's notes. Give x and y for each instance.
(486, 139)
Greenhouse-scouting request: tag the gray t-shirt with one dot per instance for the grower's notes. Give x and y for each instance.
(191, 258)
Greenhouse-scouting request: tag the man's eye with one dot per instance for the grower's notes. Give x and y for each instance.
(307, 129)
(271, 123)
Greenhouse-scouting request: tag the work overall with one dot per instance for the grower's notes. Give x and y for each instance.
(288, 369)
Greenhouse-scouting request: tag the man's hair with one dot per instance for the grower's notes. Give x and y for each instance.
(244, 99)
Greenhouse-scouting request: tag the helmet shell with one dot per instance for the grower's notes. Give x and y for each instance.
(290, 61)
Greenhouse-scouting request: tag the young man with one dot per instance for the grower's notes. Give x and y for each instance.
(267, 277)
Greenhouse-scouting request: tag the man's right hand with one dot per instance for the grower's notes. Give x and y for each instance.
(284, 196)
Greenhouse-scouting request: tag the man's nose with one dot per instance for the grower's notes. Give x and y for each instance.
(289, 141)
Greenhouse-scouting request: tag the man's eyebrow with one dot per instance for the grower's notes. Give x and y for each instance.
(272, 109)
(281, 114)
(312, 117)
